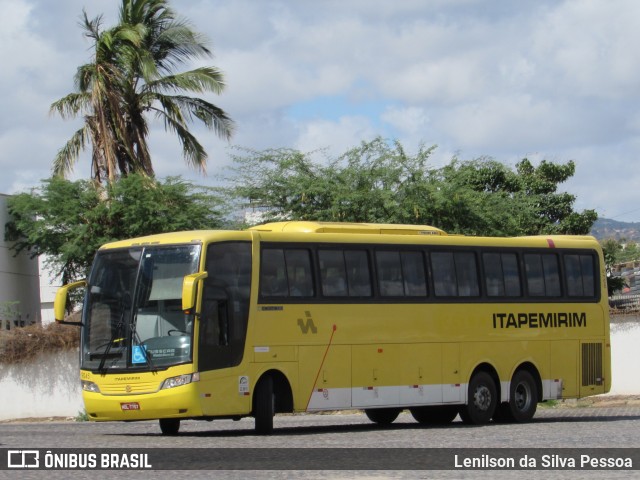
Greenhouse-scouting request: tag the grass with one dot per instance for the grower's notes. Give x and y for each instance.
(82, 416)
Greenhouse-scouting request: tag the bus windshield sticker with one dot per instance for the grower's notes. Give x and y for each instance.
(138, 354)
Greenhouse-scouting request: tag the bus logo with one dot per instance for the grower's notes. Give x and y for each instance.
(307, 325)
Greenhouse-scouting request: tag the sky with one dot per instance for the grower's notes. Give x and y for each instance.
(555, 80)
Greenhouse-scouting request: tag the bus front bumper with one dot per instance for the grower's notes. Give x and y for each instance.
(177, 402)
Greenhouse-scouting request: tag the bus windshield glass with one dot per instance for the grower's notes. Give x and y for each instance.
(133, 312)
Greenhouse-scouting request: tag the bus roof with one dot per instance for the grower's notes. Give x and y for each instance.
(178, 238)
(336, 227)
(352, 232)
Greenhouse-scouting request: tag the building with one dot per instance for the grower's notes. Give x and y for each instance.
(19, 281)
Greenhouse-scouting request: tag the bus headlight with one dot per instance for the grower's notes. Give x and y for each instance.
(180, 380)
(88, 386)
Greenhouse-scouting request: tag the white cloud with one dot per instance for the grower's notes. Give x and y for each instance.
(336, 136)
(588, 48)
(551, 79)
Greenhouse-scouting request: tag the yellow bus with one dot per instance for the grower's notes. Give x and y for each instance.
(313, 316)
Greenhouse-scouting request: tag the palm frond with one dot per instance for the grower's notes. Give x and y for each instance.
(71, 105)
(184, 109)
(192, 151)
(204, 79)
(67, 155)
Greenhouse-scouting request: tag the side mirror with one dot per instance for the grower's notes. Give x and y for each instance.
(60, 302)
(189, 286)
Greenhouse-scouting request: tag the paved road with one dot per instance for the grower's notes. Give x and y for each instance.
(591, 427)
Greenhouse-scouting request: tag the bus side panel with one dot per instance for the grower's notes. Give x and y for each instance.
(375, 372)
(324, 374)
(224, 392)
(420, 374)
(563, 363)
(453, 391)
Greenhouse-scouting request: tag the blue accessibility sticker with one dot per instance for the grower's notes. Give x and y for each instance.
(139, 354)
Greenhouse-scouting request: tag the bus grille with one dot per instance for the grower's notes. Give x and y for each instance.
(128, 389)
(591, 364)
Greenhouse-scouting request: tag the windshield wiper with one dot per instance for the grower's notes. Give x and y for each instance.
(114, 336)
(114, 339)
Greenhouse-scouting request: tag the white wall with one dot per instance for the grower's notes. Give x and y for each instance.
(48, 288)
(19, 278)
(48, 386)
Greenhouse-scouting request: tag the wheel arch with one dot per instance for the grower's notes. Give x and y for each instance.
(281, 389)
(491, 370)
(534, 372)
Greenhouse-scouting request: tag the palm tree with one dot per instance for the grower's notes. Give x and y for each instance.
(132, 76)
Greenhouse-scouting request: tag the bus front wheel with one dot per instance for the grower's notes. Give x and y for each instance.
(481, 401)
(382, 416)
(169, 426)
(264, 406)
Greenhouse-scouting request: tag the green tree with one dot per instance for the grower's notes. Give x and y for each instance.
(68, 221)
(379, 182)
(132, 75)
(612, 250)
(630, 251)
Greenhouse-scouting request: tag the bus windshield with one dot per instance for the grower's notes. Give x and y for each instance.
(133, 312)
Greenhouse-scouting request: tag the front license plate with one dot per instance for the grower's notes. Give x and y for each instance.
(130, 406)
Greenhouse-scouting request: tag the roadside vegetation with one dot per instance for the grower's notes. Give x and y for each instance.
(22, 344)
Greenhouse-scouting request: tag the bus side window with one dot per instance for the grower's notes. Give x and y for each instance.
(359, 279)
(299, 273)
(444, 274)
(214, 326)
(344, 273)
(273, 275)
(401, 274)
(580, 275)
(333, 276)
(467, 274)
(455, 274)
(543, 275)
(501, 274)
(389, 274)
(414, 275)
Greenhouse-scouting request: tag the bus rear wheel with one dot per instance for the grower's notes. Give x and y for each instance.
(264, 406)
(382, 416)
(482, 400)
(523, 399)
(169, 426)
(435, 415)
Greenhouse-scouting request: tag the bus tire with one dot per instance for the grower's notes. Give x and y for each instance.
(435, 415)
(523, 397)
(382, 416)
(264, 406)
(169, 426)
(482, 400)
